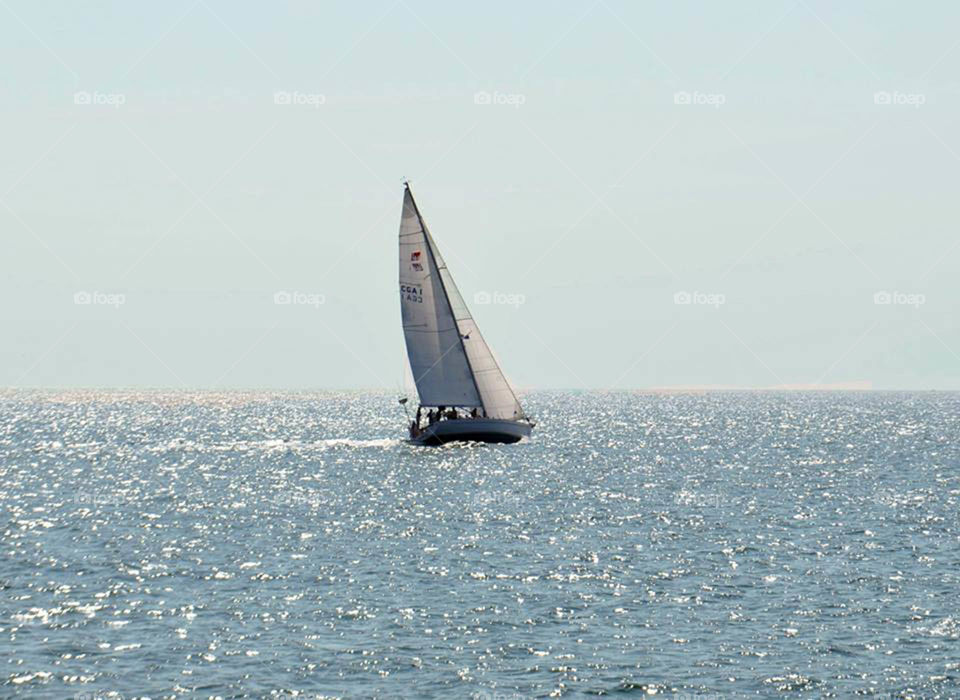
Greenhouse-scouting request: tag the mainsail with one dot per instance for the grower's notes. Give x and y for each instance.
(451, 363)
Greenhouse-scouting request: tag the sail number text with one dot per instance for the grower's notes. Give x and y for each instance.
(411, 293)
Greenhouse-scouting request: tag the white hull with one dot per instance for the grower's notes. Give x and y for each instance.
(473, 430)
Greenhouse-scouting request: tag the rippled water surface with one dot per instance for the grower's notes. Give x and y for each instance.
(247, 544)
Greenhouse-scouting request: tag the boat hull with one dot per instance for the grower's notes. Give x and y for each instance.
(473, 430)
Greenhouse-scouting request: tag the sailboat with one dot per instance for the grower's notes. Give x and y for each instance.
(463, 393)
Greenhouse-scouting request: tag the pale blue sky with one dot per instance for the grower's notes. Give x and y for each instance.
(597, 199)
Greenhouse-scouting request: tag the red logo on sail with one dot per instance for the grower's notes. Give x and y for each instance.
(414, 258)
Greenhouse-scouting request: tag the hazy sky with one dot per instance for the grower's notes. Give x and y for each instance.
(782, 163)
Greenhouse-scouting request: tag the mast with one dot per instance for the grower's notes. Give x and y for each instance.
(429, 246)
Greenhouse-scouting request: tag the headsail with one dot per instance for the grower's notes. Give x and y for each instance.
(431, 306)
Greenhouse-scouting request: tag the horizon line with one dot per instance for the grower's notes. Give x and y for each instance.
(680, 389)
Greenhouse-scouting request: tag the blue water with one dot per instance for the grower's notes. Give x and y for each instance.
(247, 544)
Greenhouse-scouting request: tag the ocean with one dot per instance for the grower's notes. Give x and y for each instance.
(256, 544)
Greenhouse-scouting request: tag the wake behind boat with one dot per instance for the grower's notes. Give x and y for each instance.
(463, 393)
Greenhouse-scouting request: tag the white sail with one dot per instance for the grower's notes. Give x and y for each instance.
(426, 274)
(437, 357)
